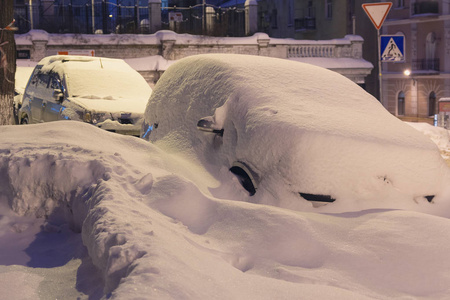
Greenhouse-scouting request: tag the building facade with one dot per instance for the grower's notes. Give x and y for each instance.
(330, 19)
(425, 26)
(277, 18)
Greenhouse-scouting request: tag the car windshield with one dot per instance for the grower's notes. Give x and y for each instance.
(90, 81)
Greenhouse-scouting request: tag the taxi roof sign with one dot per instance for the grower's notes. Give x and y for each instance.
(377, 12)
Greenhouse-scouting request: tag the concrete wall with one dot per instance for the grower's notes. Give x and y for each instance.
(165, 46)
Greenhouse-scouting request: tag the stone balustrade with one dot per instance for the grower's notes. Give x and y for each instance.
(169, 46)
(311, 51)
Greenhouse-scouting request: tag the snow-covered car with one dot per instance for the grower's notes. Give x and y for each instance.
(287, 128)
(105, 92)
(21, 79)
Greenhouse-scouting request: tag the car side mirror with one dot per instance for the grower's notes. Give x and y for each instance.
(207, 124)
(58, 95)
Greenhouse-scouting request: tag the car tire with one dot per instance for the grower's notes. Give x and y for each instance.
(245, 177)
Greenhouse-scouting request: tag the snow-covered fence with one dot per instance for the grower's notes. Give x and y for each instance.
(152, 50)
(348, 47)
(311, 51)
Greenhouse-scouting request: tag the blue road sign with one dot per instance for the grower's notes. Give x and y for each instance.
(392, 48)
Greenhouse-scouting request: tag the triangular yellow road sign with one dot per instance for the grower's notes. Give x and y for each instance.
(377, 12)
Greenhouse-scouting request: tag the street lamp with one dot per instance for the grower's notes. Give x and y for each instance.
(408, 73)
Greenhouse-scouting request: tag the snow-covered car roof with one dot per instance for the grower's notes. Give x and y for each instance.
(21, 78)
(20, 82)
(98, 77)
(313, 127)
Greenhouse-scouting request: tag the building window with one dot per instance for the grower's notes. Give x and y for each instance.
(400, 3)
(401, 104)
(432, 104)
(77, 11)
(430, 50)
(274, 19)
(328, 9)
(310, 11)
(291, 13)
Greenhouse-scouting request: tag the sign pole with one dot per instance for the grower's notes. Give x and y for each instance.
(377, 13)
(380, 79)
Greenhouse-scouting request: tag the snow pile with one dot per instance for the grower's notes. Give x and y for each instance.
(68, 183)
(440, 136)
(154, 228)
(85, 213)
(294, 133)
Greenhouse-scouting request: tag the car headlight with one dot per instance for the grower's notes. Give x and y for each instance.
(92, 118)
(87, 117)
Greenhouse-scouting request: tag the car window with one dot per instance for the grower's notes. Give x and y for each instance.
(34, 76)
(42, 80)
(55, 82)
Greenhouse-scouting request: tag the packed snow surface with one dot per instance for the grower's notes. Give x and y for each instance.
(88, 214)
(123, 219)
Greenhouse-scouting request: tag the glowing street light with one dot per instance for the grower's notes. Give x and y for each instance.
(408, 73)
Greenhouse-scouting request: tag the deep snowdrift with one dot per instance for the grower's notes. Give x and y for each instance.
(155, 228)
(440, 136)
(299, 129)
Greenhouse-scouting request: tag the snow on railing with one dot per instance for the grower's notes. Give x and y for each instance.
(311, 51)
(174, 46)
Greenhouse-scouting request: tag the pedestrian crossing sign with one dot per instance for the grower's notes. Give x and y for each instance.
(392, 48)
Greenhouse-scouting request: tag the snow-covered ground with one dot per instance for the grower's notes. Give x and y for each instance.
(88, 214)
(121, 218)
(440, 136)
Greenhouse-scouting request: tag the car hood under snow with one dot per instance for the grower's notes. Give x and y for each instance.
(298, 125)
(110, 104)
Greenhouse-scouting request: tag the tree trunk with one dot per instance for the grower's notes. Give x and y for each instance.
(7, 63)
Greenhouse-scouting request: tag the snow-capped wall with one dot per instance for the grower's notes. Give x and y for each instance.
(341, 55)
